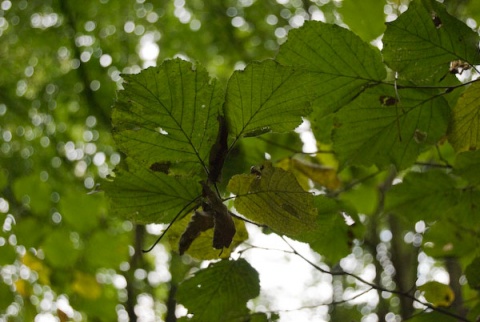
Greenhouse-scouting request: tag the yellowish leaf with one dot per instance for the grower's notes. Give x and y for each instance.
(437, 294)
(37, 265)
(464, 130)
(86, 285)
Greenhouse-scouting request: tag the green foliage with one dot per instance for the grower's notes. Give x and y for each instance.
(211, 148)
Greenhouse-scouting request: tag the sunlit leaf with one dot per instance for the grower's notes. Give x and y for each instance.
(464, 130)
(37, 266)
(341, 63)
(322, 175)
(373, 130)
(365, 18)
(437, 294)
(266, 97)
(274, 198)
(422, 42)
(168, 113)
(220, 292)
(422, 196)
(86, 285)
(148, 196)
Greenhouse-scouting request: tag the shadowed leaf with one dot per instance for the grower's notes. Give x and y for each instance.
(168, 114)
(220, 292)
(421, 42)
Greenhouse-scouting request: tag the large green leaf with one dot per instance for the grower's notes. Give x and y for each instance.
(464, 130)
(366, 18)
(421, 43)
(168, 114)
(422, 196)
(274, 198)
(341, 63)
(148, 196)
(220, 292)
(379, 129)
(266, 97)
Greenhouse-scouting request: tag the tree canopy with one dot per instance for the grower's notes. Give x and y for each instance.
(152, 150)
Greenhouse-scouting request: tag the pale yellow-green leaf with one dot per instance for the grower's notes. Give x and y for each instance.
(464, 130)
(437, 294)
(274, 198)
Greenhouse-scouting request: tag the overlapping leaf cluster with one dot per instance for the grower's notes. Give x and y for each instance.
(373, 108)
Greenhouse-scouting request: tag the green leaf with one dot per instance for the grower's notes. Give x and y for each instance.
(365, 18)
(464, 130)
(331, 236)
(379, 129)
(421, 42)
(168, 114)
(422, 196)
(80, 210)
(59, 249)
(220, 292)
(274, 198)
(437, 294)
(341, 63)
(6, 296)
(471, 272)
(447, 239)
(105, 249)
(467, 165)
(30, 231)
(35, 192)
(7, 254)
(150, 197)
(266, 97)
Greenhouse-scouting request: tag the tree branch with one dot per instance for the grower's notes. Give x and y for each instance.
(374, 286)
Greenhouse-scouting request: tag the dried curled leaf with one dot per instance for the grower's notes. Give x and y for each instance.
(201, 221)
(214, 215)
(218, 152)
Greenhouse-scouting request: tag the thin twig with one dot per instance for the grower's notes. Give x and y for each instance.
(377, 287)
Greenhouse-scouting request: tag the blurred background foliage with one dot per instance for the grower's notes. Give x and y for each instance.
(61, 61)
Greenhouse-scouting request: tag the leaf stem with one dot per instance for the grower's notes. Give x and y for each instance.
(189, 207)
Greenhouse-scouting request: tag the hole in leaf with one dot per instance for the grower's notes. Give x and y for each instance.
(161, 131)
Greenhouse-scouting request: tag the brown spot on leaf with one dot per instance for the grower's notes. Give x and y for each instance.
(436, 20)
(160, 167)
(387, 100)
